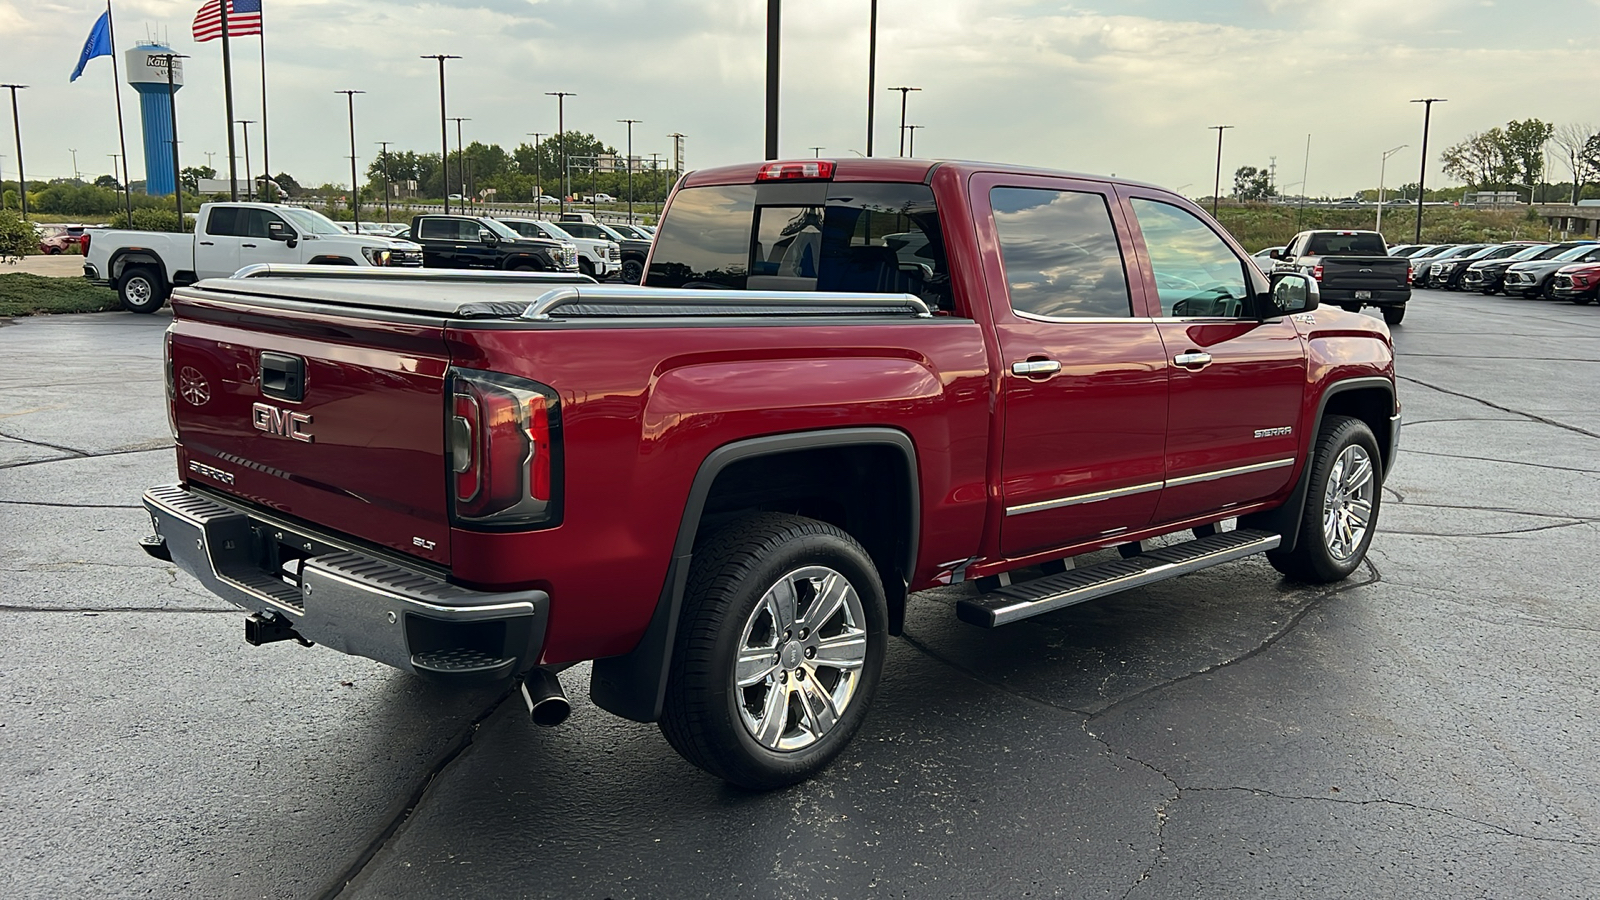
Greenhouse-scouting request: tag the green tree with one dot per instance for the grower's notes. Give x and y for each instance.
(190, 177)
(108, 181)
(1251, 183)
(1524, 149)
(1481, 160)
(287, 184)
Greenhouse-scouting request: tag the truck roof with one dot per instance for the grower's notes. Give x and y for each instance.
(892, 169)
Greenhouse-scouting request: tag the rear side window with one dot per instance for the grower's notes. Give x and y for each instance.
(224, 221)
(439, 229)
(856, 237)
(1353, 244)
(1061, 254)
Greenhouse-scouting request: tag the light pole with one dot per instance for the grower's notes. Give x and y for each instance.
(872, 71)
(655, 169)
(444, 134)
(817, 151)
(461, 160)
(904, 93)
(16, 128)
(538, 186)
(114, 158)
(384, 150)
(75, 175)
(630, 123)
(1422, 176)
(911, 138)
(561, 135)
(1305, 184)
(355, 183)
(774, 8)
(1216, 188)
(1382, 165)
(249, 180)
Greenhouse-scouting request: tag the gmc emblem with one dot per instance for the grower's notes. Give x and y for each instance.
(281, 422)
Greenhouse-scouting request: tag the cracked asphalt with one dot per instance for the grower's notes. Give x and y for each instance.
(1429, 727)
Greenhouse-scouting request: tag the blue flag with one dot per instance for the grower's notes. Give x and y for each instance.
(98, 44)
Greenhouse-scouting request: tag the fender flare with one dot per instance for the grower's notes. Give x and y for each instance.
(634, 685)
(1285, 519)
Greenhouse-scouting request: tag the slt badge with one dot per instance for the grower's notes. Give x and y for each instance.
(281, 422)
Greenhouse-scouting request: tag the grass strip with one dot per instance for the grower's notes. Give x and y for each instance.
(25, 294)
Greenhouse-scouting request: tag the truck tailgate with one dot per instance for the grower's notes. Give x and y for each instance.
(1364, 273)
(357, 447)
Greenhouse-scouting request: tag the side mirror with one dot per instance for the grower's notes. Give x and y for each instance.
(277, 231)
(485, 236)
(1292, 292)
(1275, 254)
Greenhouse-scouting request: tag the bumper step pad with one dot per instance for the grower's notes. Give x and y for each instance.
(1053, 592)
(462, 663)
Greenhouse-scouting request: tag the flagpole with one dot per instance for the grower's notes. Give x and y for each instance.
(116, 88)
(227, 92)
(266, 160)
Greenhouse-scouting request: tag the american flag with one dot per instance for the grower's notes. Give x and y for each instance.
(244, 18)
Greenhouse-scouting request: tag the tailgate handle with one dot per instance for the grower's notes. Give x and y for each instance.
(283, 377)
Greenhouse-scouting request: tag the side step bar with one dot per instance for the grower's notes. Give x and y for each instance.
(1053, 592)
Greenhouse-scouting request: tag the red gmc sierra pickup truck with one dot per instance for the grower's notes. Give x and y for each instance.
(842, 382)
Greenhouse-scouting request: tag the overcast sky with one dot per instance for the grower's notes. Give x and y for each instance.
(1104, 87)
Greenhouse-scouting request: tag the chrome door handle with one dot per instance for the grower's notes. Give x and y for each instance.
(1192, 358)
(1034, 368)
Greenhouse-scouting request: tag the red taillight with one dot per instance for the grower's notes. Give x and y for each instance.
(504, 446)
(807, 170)
(86, 243)
(1411, 274)
(1316, 272)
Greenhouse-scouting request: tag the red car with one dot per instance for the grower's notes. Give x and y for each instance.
(1579, 283)
(64, 239)
(841, 383)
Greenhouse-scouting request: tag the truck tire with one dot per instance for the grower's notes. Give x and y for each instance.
(142, 289)
(1394, 315)
(632, 271)
(778, 653)
(1341, 509)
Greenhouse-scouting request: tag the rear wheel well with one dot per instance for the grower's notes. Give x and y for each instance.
(1373, 406)
(864, 490)
(122, 262)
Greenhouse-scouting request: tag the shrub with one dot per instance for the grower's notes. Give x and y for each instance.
(152, 220)
(17, 237)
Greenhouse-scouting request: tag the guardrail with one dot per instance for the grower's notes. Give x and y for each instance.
(523, 210)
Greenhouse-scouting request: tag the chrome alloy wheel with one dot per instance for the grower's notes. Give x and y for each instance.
(800, 658)
(1347, 502)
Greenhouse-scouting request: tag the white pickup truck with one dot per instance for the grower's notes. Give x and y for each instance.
(597, 257)
(144, 266)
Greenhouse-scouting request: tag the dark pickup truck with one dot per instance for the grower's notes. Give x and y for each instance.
(843, 382)
(1353, 268)
(479, 242)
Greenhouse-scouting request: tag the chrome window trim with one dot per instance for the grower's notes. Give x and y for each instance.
(1115, 493)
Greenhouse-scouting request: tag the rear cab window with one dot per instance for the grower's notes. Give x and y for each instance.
(854, 237)
(1353, 243)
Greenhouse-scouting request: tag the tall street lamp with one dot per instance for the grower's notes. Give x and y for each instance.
(904, 93)
(630, 123)
(655, 181)
(1427, 117)
(114, 158)
(1216, 189)
(773, 11)
(249, 179)
(911, 138)
(817, 151)
(355, 182)
(1382, 165)
(384, 150)
(872, 71)
(444, 134)
(561, 135)
(461, 161)
(16, 127)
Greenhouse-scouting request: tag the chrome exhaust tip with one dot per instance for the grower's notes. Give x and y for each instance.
(547, 702)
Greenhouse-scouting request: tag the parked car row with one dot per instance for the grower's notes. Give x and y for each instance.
(1568, 270)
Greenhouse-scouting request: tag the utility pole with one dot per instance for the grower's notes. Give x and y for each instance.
(1216, 189)
(911, 138)
(1305, 184)
(817, 151)
(461, 161)
(630, 123)
(1382, 165)
(904, 93)
(538, 178)
(114, 158)
(384, 145)
(444, 134)
(561, 135)
(249, 180)
(774, 9)
(75, 175)
(16, 129)
(655, 168)
(208, 155)
(872, 71)
(1427, 117)
(355, 183)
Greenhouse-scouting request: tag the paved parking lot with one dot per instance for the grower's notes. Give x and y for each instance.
(1429, 727)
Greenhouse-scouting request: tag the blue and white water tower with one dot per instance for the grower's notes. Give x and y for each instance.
(147, 72)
